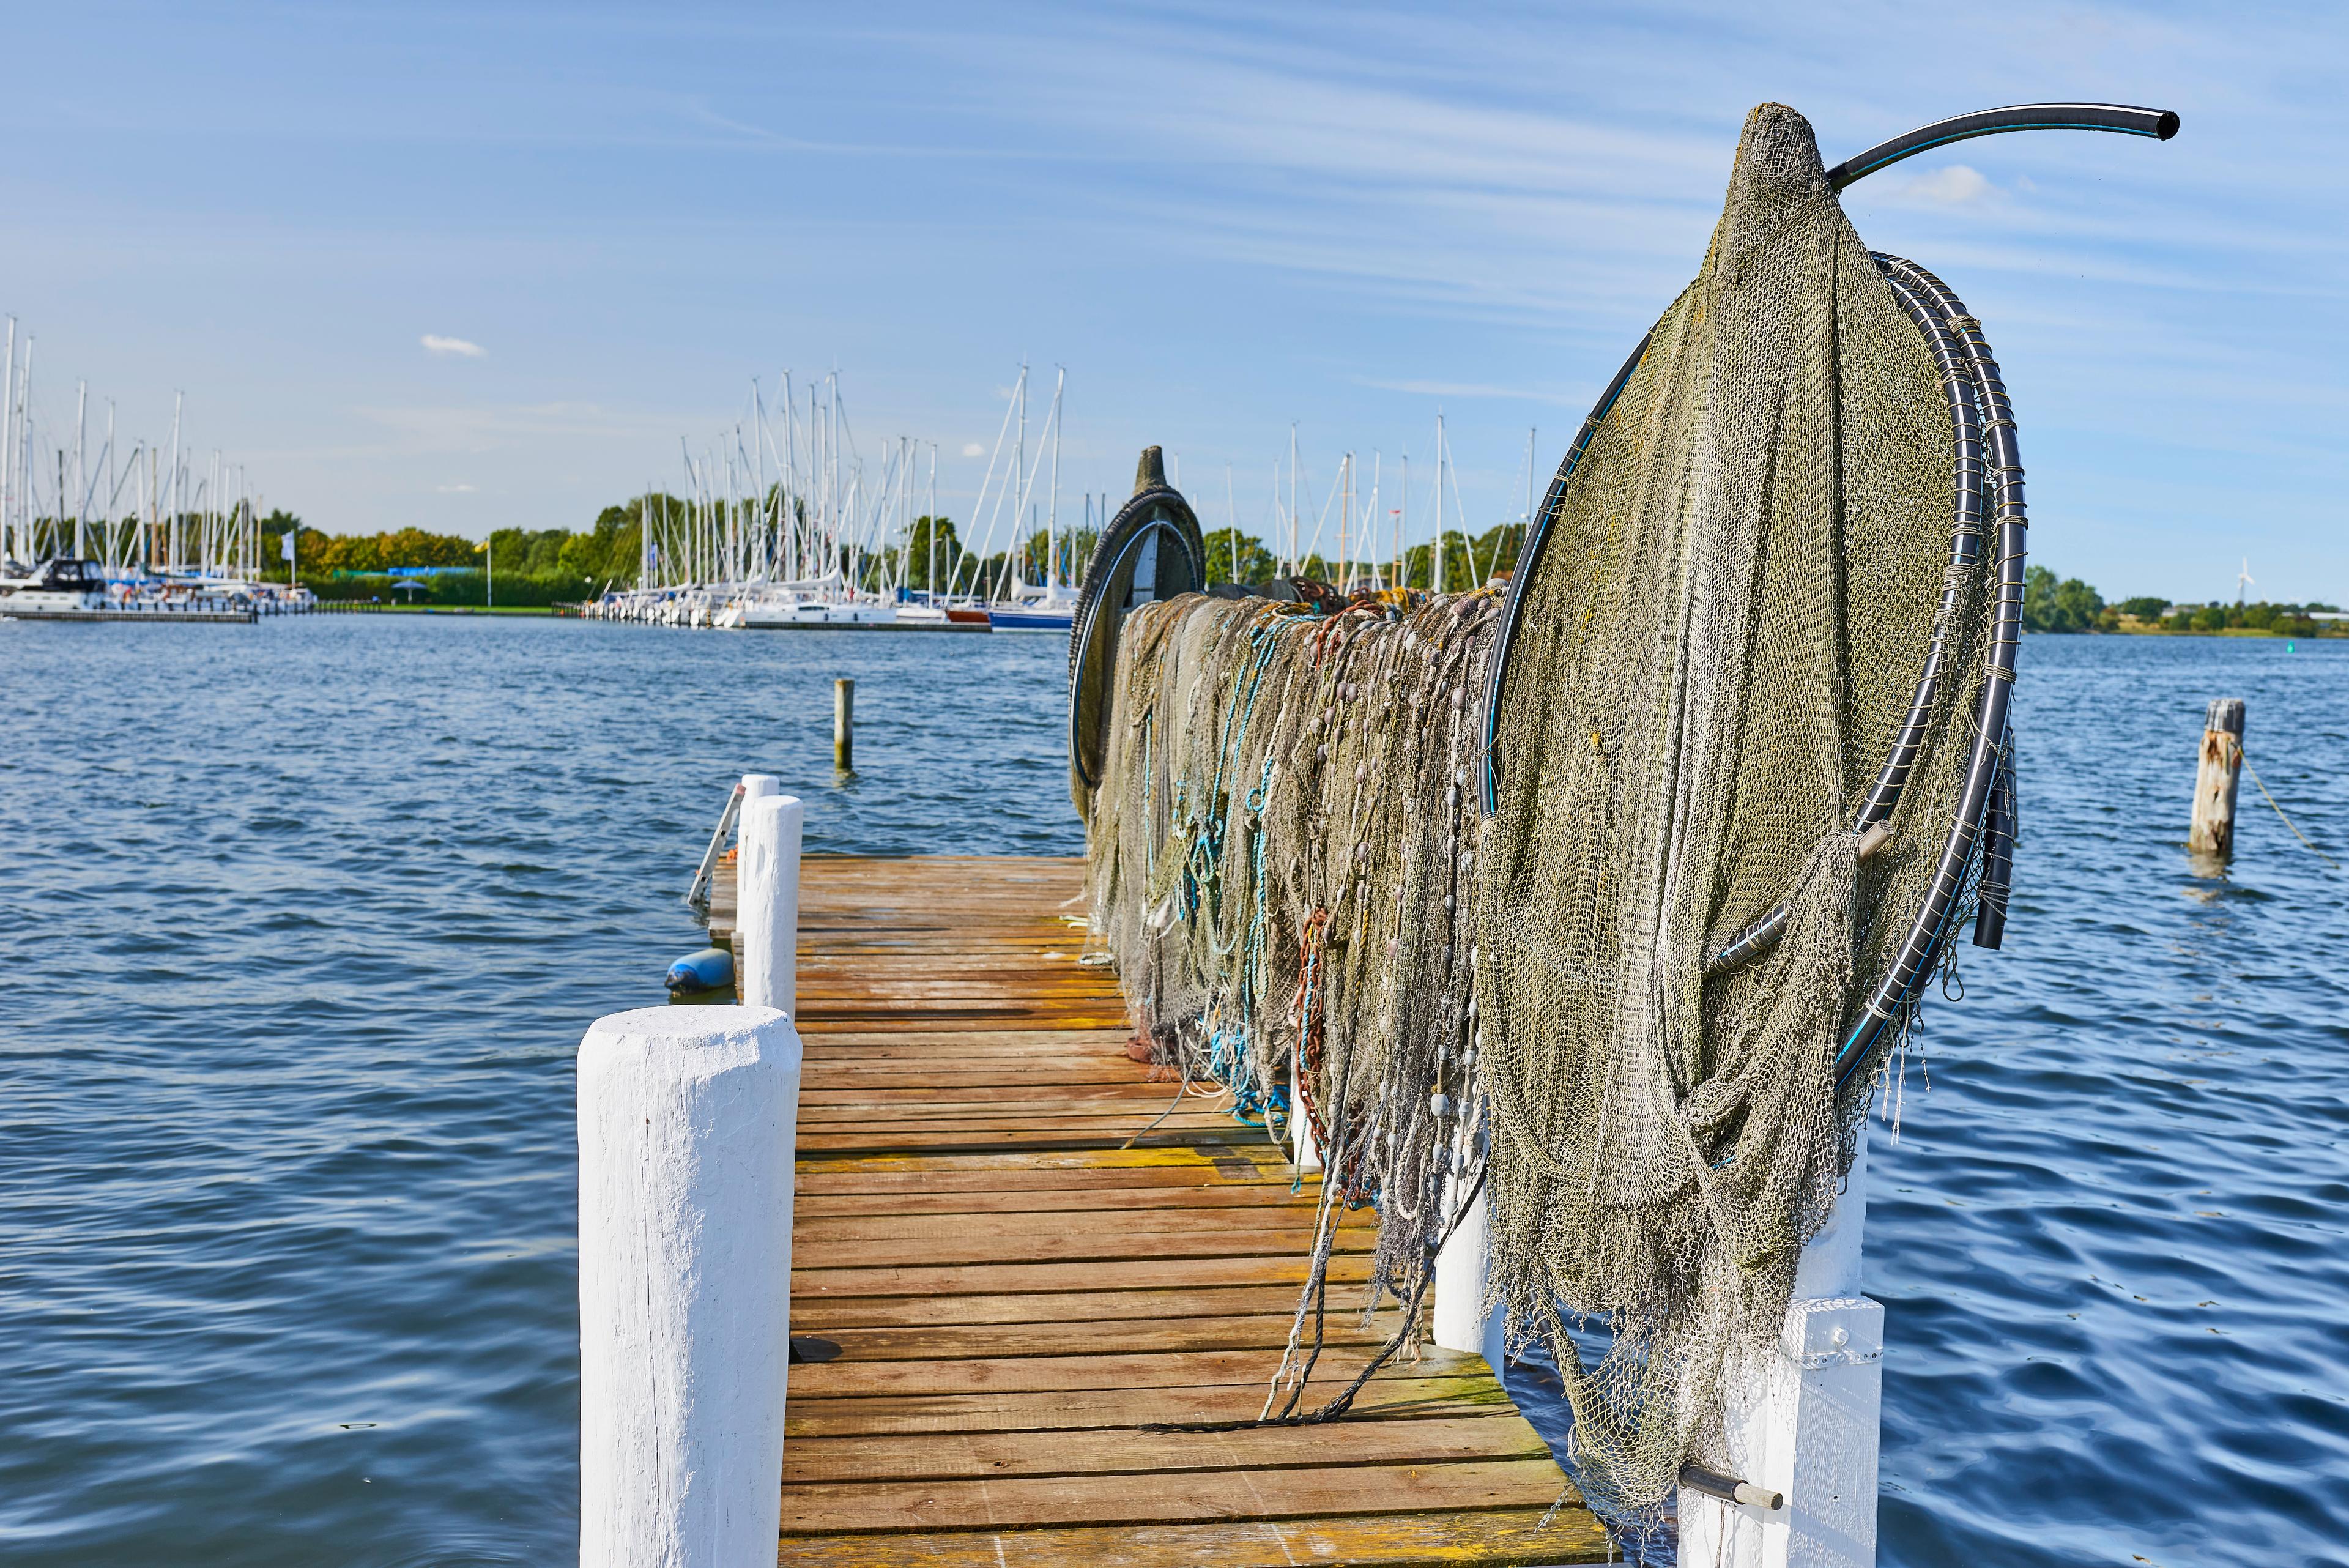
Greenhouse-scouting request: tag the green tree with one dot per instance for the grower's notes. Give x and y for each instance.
(2144, 608)
(932, 554)
(1496, 548)
(2049, 605)
(1460, 571)
(1242, 558)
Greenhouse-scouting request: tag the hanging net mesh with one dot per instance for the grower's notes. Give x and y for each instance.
(1719, 638)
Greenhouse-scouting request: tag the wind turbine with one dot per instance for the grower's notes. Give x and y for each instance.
(2243, 579)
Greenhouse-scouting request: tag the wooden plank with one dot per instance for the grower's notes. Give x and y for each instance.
(1124, 1115)
(928, 1341)
(1107, 1244)
(968, 1456)
(1505, 1538)
(915, 1140)
(1082, 1409)
(1041, 1374)
(1181, 1496)
(1201, 1200)
(899, 1093)
(827, 1315)
(1144, 1225)
(1195, 1169)
(1003, 1279)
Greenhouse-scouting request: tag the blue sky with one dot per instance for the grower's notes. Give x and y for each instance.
(1219, 220)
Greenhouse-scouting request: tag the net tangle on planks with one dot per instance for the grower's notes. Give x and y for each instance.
(1606, 900)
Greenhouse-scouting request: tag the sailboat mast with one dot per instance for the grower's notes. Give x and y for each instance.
(1052, 514)
(1019, 470)
(109, 520)
(81, 469)
(1531, 430)
(1439, 502)
(761, 556)
(1292, 497)
(172, 481)
(8, 450)
(1402, 521)
(25, 457)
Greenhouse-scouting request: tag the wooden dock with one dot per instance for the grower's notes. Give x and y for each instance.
(1018, 1295)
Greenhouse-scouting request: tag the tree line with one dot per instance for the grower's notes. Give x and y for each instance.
(551, 564)
(2069, 604)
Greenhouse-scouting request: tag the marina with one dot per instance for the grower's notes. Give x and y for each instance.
(138, 535)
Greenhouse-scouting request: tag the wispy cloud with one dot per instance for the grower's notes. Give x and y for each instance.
(974, 449)
(1958, 185)
(436, 344)
(454, 489)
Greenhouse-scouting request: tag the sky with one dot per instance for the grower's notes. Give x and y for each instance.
(465, 266)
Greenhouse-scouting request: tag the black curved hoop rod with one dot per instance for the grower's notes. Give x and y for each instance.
(1894, 993)
(1159, 528)
(2161, 124)
(1505, 632)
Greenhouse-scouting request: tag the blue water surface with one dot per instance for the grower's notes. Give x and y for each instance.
(303, 922)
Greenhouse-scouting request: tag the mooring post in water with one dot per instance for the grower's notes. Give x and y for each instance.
(687, 1117)
(2215, 780)
(843, 724)
(767, 908)
(1802, 1422)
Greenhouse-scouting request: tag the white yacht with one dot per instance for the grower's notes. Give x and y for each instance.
(68, 589)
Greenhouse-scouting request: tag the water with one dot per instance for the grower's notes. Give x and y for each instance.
(304, 920)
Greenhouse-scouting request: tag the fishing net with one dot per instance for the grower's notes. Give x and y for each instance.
(1280, 850)
(1720, 641)
(1746, 733)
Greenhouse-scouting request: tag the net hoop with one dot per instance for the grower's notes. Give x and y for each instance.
(1157, 529)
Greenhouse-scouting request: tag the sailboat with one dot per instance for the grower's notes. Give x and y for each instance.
(1050, 605)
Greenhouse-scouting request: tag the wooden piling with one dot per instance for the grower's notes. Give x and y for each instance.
(2221, 770)
(843, 724)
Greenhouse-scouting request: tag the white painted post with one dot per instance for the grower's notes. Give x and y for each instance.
(1461, 1269)
(688, 1121)
(1809, 1422)
(766, 910)
(756, 787)
(1303, 1150)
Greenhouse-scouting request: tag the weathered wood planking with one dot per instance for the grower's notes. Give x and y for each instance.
(1024, 1273)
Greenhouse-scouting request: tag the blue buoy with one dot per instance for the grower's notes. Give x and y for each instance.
(711, 969)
